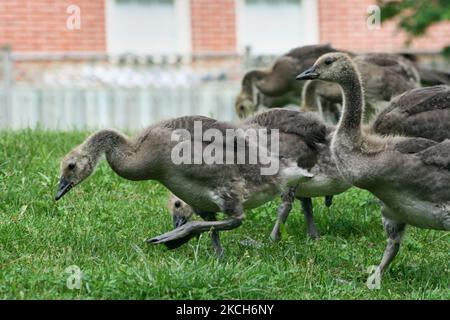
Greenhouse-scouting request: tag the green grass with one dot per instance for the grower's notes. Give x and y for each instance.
(100, 226)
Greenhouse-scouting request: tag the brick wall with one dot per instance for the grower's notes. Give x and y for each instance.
(213, 26)
(343, 23)
(40, 25)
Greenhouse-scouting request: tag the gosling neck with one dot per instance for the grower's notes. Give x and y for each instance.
(104, 142)
(353, 108)
(309, 98)
(121, 154)
(249, 82)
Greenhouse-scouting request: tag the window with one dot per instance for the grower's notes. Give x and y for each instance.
(147, 26)
(276, 26)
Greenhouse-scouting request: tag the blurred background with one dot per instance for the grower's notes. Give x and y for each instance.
(128, 63)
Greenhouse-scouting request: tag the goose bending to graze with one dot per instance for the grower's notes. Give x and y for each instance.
(181, 213)
(162, 152)
(411, 176)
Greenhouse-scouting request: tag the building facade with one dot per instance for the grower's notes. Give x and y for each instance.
(200, 27)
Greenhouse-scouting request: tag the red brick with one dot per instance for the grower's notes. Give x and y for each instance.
(40, 25)
(213, 25)
(343, 24)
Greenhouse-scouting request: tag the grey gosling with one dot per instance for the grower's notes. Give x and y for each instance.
(181, 213)
(421, 112)
(179, 210)
(229, 188)
(295, 128)
(409, 175)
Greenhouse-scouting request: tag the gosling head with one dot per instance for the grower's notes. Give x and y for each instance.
(76, 166)
(332, 67)
(180, 211)
(244, 107)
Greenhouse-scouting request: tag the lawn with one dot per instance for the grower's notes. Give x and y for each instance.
(100, 227)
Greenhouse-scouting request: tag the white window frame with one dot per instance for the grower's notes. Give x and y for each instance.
(183, 19)
(310, 23)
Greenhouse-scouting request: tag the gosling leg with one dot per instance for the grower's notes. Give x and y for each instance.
(179, 236)
(283, 212)
(308, 212)
(328, 201)
(395, 232)
(214, 235)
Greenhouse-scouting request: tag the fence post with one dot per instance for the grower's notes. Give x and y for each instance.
(247, 58)
(5, 111)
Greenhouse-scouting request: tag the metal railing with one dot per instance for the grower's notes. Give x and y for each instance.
(89, 91)
(65, 91)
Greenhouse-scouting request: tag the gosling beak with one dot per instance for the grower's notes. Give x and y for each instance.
(64, 187)
(308, 74)
(178, 221)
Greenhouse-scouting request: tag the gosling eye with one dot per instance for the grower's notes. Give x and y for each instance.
(177, 204)
(71, 166)
(329, 61)
(241, 107)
